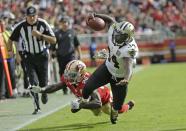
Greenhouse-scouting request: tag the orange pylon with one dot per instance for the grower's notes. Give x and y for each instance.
(5, 65)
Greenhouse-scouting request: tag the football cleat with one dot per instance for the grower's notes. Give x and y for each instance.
(113, 116)
(36, 111)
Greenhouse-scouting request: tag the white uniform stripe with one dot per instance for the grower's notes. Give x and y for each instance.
(126, 23)
(24, 39)
(30, 39)
(36, 45)
(44, 46)
(41, 45)
(32, 44)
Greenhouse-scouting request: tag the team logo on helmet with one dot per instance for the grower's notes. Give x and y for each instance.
(74, 71)
(122, 33)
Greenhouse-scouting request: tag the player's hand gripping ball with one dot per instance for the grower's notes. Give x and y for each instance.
(95, 23)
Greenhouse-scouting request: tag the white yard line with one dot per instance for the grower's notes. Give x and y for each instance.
(39, 117)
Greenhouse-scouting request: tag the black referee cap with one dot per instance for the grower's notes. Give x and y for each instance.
(31, 11)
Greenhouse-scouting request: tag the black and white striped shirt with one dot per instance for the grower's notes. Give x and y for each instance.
(30, 43)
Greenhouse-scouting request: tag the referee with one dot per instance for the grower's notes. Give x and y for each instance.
(36, 34)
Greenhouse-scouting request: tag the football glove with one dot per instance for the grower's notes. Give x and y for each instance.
(75, 104)
(35, 89)
(102, 54)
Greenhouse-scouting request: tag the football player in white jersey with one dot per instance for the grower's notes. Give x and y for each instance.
(118, 67)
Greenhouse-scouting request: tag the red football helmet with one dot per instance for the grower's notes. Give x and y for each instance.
(74, 71)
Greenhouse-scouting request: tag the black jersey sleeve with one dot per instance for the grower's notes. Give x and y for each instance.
(16, 33)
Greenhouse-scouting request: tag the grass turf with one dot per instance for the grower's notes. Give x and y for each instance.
(159, 93)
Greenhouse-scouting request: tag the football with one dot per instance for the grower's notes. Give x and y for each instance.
(96, 23)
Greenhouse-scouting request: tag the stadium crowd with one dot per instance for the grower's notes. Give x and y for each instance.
(143, 14)
(170, 13)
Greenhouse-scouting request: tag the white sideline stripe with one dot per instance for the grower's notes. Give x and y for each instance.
(39, 117)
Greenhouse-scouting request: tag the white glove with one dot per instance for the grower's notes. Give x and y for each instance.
(75, 104)
(35, 89)
(102, 54)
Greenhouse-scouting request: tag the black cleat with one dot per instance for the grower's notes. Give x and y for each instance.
(131, 104)
(113, 116)
(36, 111)
(44, 98)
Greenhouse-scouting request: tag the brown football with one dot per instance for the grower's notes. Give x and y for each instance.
(96, 23)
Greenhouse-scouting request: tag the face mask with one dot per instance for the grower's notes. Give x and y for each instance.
(121, 38)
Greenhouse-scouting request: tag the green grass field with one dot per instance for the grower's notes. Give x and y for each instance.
(159, 92)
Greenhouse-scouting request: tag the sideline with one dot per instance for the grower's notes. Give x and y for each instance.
(16, 113)
(39, 117)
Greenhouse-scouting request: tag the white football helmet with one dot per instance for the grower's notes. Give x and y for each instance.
(74, 71)
(123, 33)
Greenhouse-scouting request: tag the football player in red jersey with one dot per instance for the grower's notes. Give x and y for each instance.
(75, 77)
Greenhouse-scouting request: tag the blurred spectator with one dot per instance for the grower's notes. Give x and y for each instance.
(68, 45)
(10, 56)
(172, 47)
(161, 10)
(92, 51)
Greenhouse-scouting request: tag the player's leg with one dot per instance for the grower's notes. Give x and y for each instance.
(119, 93)
(127, 106)
(99, 78)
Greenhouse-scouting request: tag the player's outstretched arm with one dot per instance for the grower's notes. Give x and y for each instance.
(47, 89)
(108, 19)
(128, 68)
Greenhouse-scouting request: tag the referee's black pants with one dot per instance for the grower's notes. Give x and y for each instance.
(37, 71)
(23, 65)
(101, 77)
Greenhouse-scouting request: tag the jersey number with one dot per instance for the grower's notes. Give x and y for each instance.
(113, 58)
